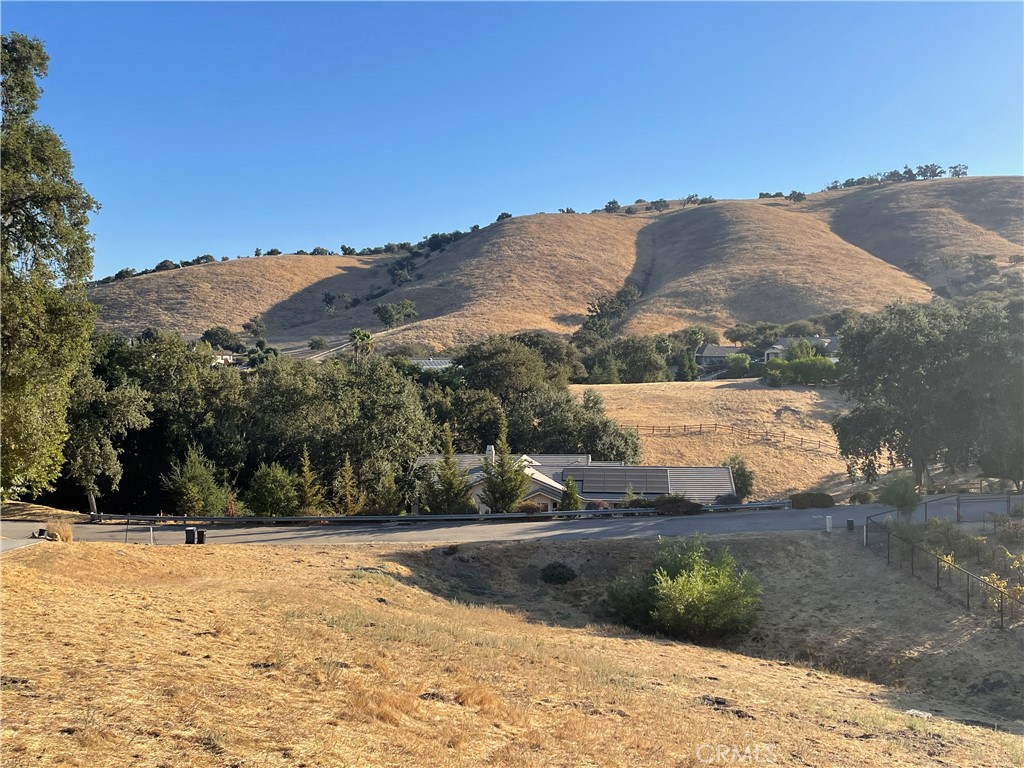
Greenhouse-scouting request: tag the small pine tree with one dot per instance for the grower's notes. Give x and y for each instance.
(505, 479)
(388, 498)
(311, 493)
(448, 491)
(687, 369)
(570, 496)
(348, 498)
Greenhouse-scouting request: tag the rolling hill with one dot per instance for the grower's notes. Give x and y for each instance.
(736, 260)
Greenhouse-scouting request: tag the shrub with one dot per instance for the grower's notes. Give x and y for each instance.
(502, 216)
(61, 530)
(318, 343)
(1018, 511)
(688, 594)
(273, 492)
(675, 505)
(192, 486)
(728, 499)
(557, 573)
(742, 476)
(899, 491)
(812, 500)
(596, 505)
(612, 206)
(638, 502)
(862, 497)
(528, 508)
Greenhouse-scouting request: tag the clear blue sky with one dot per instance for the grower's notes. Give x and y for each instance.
(219, 128)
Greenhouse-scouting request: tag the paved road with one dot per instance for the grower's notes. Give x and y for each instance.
(606, 528)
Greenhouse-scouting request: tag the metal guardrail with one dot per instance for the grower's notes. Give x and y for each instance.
(963, 586)
(407, 519)
(411, 519)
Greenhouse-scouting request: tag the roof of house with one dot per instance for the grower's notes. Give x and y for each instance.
(608, 480)
(717, 350)
(701, 484)
(431, 363)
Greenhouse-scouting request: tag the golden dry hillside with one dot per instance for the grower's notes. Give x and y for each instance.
(781, 463)
(739, 260)
(415, 655)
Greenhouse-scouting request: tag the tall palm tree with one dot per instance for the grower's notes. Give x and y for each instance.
(362, 341)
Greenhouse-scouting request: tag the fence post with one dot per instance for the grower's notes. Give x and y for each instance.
(866, 532)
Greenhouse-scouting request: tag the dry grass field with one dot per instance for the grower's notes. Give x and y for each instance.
(739, 260)
(418, 655)
(780, 468)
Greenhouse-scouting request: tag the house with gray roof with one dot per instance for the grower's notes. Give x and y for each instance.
(827, 346)
(607, 481)
(710, 355)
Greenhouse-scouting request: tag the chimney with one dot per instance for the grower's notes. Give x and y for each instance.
(489, 453)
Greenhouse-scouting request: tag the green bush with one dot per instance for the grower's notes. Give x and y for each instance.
(557, 573)
(1018, 511)
(899, 491)
(528, 508)
(192, 486)
(688, 594)
(812, 500)
(675, 505)
(862, 497)
(273, 492)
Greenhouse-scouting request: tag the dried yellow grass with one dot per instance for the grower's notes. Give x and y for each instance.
(738, 260)
(275, 656)
(780, 468)
(24, 510)
(61, 529)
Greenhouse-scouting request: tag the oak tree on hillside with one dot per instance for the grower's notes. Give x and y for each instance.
(46, 262)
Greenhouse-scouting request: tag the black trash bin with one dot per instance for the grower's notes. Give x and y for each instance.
(200, 536)
(190, 535)
(849, 525)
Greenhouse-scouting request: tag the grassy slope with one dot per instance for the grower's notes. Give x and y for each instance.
(280, 656)
(734, 260)
(780, 469)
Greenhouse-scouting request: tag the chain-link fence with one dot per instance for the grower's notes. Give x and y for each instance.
(886, 537)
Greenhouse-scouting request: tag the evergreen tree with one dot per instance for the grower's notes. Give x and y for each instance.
(687, 366)
(388, 498)
(348, 498)
(505, 479)
(570, 496)
(311, 493)
(272, 492)
(193, 488)
(448, 491)
(742, 477)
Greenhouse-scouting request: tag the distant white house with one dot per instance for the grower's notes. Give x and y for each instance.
(607, 481)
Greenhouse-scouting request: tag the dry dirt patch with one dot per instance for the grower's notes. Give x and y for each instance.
(260, 656)
(781, 468)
